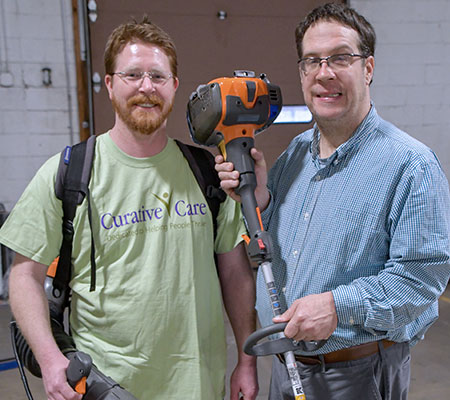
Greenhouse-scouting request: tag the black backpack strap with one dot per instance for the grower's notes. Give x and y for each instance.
(202, 164)
(71, 187)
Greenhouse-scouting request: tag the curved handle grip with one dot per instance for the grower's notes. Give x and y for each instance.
(78, 370)
(277, 346)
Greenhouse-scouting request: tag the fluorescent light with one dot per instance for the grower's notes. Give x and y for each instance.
(294, 114)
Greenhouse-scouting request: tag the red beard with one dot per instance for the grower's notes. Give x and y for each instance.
(142, 121)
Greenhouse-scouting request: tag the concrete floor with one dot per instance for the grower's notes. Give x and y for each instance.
(430, 375)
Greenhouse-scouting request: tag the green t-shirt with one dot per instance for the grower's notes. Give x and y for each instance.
(154, 322)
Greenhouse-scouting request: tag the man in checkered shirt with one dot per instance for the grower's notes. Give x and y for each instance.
(359, 216)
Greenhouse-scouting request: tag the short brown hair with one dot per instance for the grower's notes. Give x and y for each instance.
(134, 31)
(344, 15)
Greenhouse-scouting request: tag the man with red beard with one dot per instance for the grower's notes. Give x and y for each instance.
(154, 323)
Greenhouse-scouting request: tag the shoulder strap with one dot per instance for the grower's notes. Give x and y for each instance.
(71, 187)
(202, 164)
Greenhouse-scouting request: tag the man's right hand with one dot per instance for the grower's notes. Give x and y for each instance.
(32, 315)
(55, 379)
(229, 178)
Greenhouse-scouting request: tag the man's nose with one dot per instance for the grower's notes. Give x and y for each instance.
(147, 84)
(325, 71)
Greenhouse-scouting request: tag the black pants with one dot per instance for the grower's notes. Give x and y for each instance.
(382, 376)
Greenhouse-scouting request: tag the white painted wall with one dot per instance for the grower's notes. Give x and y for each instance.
(410, 88)
(35, 121)
(412, 68)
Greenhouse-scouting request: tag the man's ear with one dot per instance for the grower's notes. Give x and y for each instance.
(176, 83)
(369, 67)
(108, 84)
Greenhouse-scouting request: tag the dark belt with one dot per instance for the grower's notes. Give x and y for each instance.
(348, 354)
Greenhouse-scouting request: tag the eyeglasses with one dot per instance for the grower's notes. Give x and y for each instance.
(336, 62)
(136, 77)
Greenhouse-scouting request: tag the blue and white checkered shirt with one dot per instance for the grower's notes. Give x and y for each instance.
(370, 223)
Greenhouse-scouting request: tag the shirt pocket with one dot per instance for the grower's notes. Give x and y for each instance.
(357, 243)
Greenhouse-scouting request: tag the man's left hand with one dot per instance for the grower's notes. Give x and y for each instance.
(312, 317)
(244, 381)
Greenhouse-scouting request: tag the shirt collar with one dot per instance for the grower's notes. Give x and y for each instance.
(368, 125)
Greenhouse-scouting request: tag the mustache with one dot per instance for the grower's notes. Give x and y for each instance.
(142, 99)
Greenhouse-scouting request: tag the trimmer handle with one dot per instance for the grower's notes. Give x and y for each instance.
(277, 346)
(85, 378)
(78, 370)
(259, 242)
(238, 152)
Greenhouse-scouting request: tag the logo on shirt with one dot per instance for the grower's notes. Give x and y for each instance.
(181, 208)
(162, 200)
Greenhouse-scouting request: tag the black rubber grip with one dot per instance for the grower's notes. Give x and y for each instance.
(277, 346)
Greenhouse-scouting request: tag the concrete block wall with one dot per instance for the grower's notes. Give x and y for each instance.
(36, 121)
(412, 68)
(410, 87)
